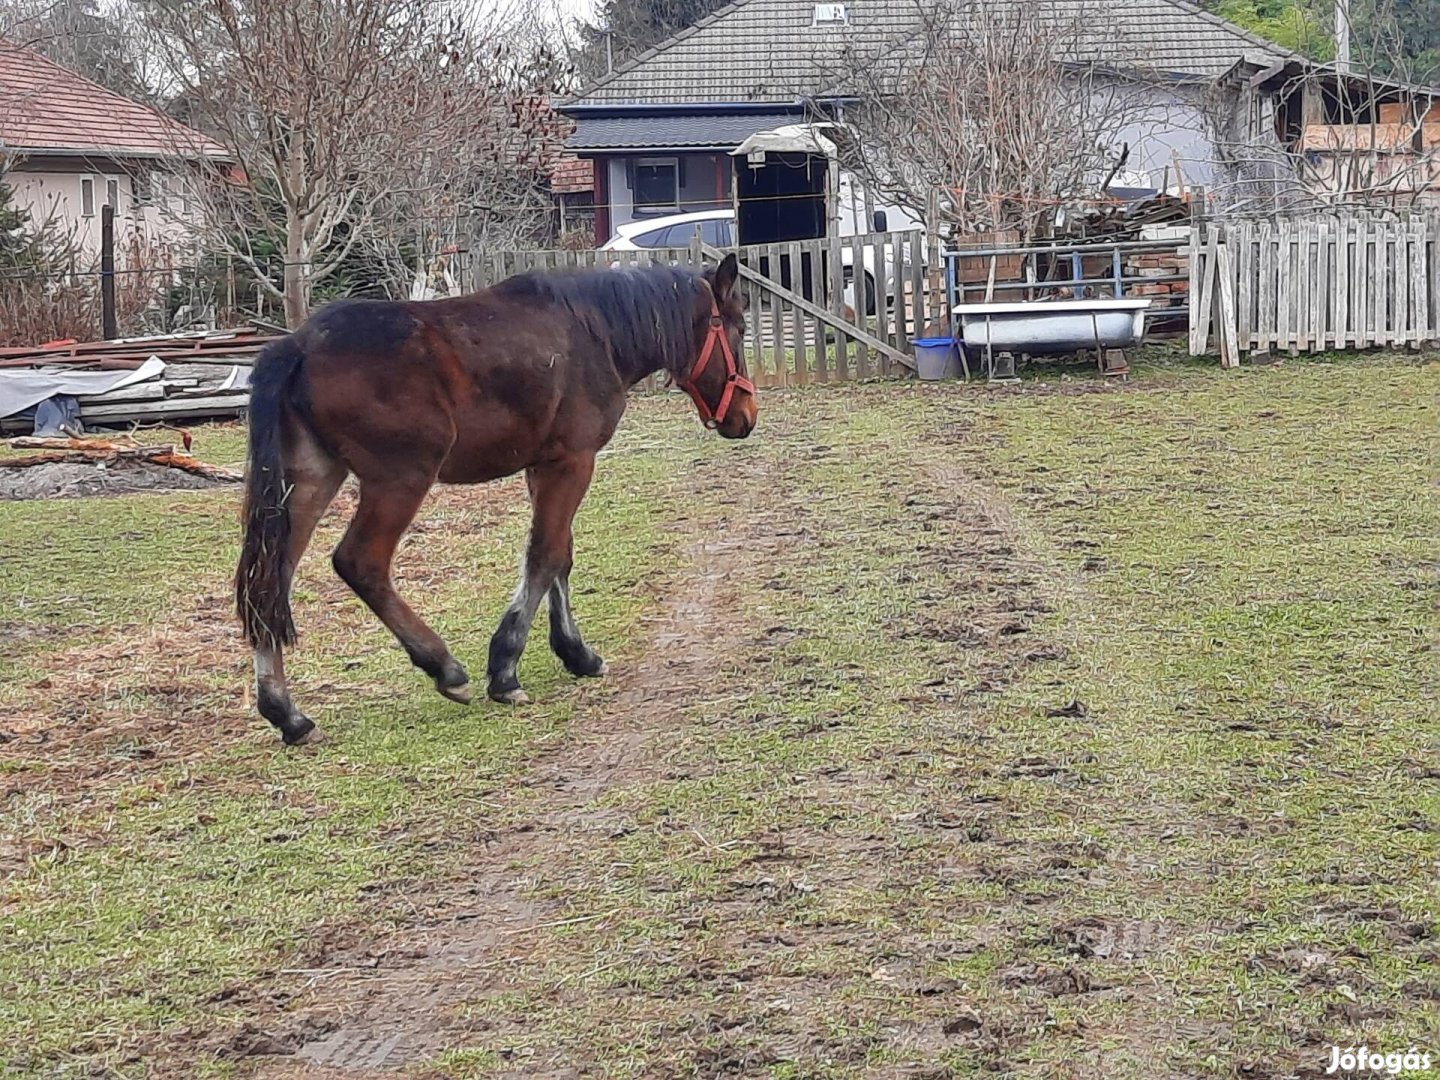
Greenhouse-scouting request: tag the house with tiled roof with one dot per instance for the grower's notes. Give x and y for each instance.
(662, 127)
(69, 147)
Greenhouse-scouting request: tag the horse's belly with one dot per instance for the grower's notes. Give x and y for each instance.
(477, 457)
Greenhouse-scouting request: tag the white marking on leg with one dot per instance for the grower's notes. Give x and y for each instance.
(265, 664)
(560, 605)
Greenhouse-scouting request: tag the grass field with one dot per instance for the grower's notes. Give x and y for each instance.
(1068, 731)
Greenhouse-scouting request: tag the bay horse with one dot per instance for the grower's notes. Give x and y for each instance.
(531, 374)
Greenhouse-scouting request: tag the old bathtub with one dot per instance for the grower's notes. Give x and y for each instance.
(1051, 327)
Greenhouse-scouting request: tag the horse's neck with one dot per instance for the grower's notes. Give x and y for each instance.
(634, 369)
(633, 372)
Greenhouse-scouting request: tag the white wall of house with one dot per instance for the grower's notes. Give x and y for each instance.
(1165, 128)
(152, 222)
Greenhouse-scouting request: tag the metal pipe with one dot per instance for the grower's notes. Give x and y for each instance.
(1065, 249)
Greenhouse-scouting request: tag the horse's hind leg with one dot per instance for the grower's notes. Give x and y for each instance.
(314, 477)
(363, 560)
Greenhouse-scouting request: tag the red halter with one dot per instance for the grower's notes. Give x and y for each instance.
(733, 379)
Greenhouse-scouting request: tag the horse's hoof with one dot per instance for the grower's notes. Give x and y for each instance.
(459, 694)
(301, 731)
(511, 697)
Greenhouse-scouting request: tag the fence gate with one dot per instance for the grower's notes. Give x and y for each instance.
(819, 310)
(838, 309)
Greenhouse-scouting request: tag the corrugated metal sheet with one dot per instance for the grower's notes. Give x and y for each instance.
(768, 50)
(671, 132)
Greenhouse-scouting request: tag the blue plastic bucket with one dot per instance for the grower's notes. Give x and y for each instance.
(936, 358)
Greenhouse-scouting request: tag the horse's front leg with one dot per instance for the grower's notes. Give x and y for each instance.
(556, 491)
(565, 640)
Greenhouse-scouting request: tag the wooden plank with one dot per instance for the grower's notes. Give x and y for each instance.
(1402, 284)
(1301, 231)
(917, 284)
(1420, 276)
(1244, 254)
(1419, 293)
(1225, 314)
(802, 337)
(1432, 247)
(806, 342)
(1340, 283)
(1394, 283)
(1289, 287)
(1381, 278)
(774, 322)
(1201, 288)
(1267, 311)
(881, 262)
(854, 247)
(897, 285)
(1319, 286)
(1308, 285)
(1197, 270)
(1361, 284)
(1355, 273)
(836, 271)
(175, 407)
(1399, 286)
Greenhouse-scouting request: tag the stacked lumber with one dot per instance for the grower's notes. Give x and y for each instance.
(224, 347)
(206, 390)
(162, 400)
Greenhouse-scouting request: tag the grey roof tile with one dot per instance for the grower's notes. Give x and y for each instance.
(672, 132)
(767, 50)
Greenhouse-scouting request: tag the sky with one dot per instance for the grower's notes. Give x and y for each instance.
(567, 9)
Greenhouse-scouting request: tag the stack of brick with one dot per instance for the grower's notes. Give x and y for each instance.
(1157, 265)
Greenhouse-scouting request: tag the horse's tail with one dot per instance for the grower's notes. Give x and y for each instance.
(262, 588)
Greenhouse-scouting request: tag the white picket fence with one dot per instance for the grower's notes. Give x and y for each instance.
(1314, 284)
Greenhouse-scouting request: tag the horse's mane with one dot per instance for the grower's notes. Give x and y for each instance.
(647, 314)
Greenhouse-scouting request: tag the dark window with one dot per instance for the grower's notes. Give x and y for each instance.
(657, 183)
(87, 196)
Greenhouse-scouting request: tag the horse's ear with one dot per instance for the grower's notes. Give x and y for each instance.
(725, 278)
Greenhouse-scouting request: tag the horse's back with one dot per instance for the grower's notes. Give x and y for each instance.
(360, 326)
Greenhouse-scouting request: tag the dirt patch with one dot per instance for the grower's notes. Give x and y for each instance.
(393, 1004)
(72, 480)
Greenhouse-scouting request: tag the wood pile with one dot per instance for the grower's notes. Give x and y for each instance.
(1126, 221)
(111, 452)
(204, 376)
(224, 347)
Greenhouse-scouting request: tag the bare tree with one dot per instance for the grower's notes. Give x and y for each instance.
(992, 106)
(350, 124)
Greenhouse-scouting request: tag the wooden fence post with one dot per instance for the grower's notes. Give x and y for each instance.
(109, 327)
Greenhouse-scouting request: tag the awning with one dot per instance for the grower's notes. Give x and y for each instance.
(720, 132)
(787, 139)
